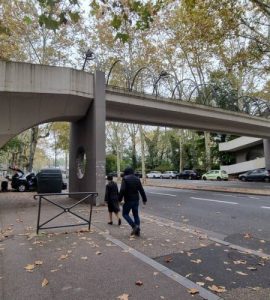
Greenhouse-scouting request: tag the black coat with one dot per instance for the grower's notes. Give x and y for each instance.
(111, 197)
(130, 188)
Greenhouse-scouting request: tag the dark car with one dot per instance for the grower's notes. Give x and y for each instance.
(21, 182)
(188, 174)
(138, 174)
(255, 175)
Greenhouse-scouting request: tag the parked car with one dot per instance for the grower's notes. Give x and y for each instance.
(21, 182)
(255, 175)
(153, 174)
(215, 175)
(188, 174)
(169, 174)
(138, 174)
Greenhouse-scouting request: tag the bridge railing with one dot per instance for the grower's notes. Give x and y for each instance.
(245, 104)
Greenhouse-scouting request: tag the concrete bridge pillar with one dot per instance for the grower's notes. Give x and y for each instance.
(87, 146)
(266, 147)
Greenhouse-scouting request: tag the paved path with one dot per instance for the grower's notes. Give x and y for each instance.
(106, 263)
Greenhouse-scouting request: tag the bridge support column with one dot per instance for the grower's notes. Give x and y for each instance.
(87, 146)
(266, 147)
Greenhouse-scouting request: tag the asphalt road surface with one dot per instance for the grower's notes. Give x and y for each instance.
(229, 183)
(230, 215)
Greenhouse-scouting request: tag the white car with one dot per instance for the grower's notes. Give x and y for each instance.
(154, 174)
(169, 174)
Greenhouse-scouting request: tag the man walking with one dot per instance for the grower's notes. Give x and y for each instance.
(130, 188)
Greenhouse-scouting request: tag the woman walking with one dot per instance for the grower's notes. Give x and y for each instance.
(111, 198)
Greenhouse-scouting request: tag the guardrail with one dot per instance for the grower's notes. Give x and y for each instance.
(87, 196)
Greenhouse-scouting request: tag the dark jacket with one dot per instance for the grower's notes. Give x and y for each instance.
(111, 193)
(130, 188)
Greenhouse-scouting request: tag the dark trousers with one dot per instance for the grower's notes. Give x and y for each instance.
(134, 207)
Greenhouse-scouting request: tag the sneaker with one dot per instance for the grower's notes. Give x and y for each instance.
(110, 223)
(119, 222)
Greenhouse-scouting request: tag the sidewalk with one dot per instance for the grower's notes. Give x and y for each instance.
(71, 264)
(106, 263)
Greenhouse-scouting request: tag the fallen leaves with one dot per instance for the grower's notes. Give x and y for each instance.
(193, 291)
(247, 236)
(29, 267)
(197, 261)
(84, 257)
(252, 268)
(208, 278)
(38, 262)
(44, 282)
(54, 270)
(123, 297)
(241, 273)
(63, 256)
(200, 283)
(98, 253)
(139, 283)
(217, 288)
(168, 259)
(239, 262)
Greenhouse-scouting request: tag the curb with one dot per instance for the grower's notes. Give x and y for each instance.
(204, 293)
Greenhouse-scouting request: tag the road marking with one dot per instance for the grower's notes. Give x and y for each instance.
(162, 194)
(226, 195)
(211, 200)
(267, 207)
(251, 197)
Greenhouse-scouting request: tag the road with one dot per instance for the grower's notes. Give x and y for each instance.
(230, 183)
(232, 216)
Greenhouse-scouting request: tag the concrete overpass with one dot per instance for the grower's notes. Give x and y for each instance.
(35, 94)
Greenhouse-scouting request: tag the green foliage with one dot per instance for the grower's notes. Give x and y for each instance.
(110, 163)
(164, 166)
(56, 13)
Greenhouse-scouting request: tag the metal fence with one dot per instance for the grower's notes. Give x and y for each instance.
(86, 197)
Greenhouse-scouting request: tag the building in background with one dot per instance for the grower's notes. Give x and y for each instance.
(249, 154)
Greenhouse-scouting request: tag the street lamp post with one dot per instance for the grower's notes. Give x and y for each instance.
(89, 55)
(163, 74)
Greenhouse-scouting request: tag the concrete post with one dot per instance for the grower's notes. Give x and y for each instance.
(87, 138)
(266, 148)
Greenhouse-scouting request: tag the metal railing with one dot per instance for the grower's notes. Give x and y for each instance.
(87, 197)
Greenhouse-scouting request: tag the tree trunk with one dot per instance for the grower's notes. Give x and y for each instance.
(33, 146)
(207, 150)
(180, 150)
(118, 162)
(143, 153)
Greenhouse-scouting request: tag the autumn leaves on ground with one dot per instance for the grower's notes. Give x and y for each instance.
(74, 263)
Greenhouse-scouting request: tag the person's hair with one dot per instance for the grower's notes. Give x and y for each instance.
(128, 171)
(109, 177)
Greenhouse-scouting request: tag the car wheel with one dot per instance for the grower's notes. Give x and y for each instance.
(161, 177)
(170, 177)
(21, 188)
(243, 179)
(218, 178)
(190, 177)
(204, 178)
(266, 179)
